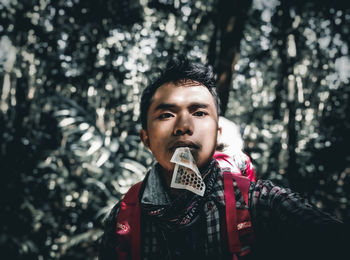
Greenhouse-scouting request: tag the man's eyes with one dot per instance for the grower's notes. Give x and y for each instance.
(165, 115)
(169, 115)
(200, 113)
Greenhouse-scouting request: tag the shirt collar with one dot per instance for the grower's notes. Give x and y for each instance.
(155, 192)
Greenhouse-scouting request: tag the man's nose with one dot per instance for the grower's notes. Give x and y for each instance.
(184, 125)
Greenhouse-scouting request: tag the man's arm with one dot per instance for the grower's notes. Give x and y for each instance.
(288, 206)
(287, 226)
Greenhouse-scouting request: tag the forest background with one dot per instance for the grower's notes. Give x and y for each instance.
(71, 74)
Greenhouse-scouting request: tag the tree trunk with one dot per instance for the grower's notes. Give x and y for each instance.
(228, 34)
(285, 94)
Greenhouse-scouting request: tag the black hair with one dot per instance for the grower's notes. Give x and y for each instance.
(176, 70)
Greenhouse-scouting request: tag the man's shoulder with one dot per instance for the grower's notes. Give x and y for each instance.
(131, 196)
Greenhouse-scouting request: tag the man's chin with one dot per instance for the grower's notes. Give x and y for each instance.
(167, 168)
(203, 164)
(195, 154)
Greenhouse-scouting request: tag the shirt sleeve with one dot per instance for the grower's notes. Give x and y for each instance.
(286, 224)
(268, 199)
(108, 241)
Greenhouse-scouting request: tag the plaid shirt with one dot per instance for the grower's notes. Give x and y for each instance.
(276, 213)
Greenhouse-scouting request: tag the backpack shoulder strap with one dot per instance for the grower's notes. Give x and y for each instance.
(243, 185)
(238, 222)
(128, 227)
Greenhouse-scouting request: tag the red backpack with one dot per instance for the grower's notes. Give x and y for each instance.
(239, 226)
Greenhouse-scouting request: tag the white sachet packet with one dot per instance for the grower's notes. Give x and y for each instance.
(186, 174)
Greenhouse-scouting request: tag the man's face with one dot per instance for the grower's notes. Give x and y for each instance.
(181, 115)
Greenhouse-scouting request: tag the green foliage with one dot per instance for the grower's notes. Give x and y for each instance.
(71, 76)
(291, 96)
(72, 73)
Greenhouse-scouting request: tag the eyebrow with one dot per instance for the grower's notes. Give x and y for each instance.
(169, 106)
(164, 106)
(194, 106)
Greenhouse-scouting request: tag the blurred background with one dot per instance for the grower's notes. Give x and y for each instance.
(71, 74)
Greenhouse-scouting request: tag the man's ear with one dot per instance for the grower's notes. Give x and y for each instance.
(144, 138)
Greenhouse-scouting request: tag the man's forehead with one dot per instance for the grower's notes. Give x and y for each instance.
(182, 94)
(168, 89)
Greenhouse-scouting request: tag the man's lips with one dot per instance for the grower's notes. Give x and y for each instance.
(188, 144)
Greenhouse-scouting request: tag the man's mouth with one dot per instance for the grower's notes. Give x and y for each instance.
(188, 144)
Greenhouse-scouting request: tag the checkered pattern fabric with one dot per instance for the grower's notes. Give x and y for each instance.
(157, 227)
(267, 199)
(201, 237)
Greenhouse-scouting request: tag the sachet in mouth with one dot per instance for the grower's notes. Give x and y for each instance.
(186, 174)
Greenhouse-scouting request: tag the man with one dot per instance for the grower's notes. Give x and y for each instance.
(179, 112)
